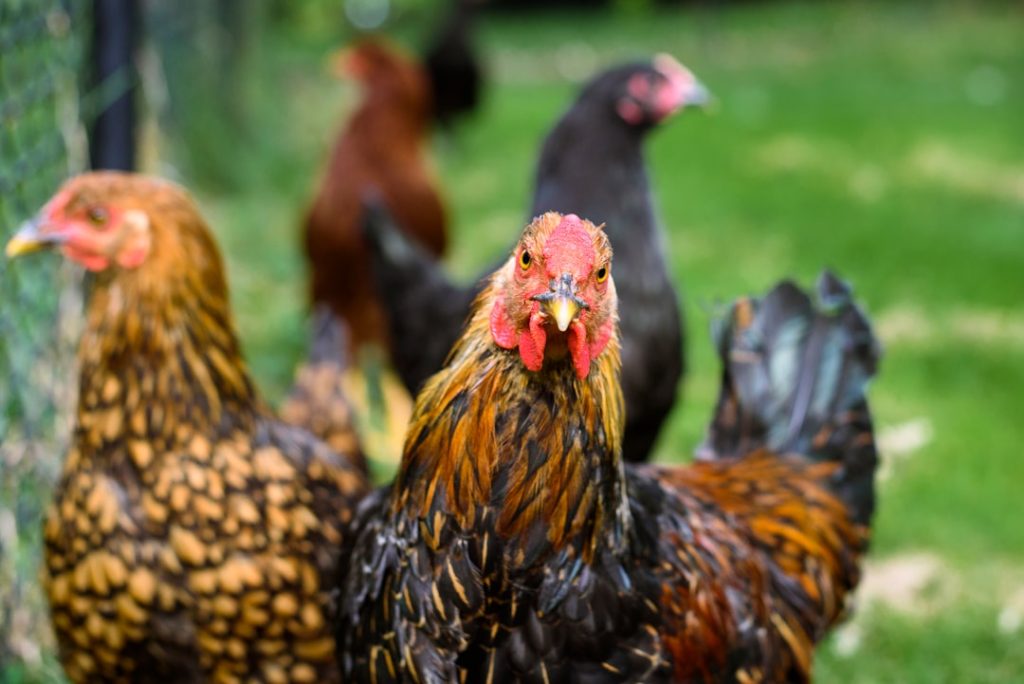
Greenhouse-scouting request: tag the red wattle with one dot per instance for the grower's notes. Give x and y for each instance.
(579, 349)
(532, 342)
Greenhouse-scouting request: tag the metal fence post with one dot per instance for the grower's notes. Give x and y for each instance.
(114, 41)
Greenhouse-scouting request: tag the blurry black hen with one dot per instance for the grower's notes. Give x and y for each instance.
(451, 63)
(592, 164)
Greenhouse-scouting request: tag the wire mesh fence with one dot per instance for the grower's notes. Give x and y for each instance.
(43, 46)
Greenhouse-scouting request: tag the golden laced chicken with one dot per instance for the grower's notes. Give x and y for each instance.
(516, 545)
(192, 536)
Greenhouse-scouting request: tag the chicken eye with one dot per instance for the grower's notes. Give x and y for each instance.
(97, 215)
(525, 260)
(602, 274)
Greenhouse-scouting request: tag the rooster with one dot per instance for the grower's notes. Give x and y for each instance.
(381, 148)
(192, 534)
(516, 545)
(592, 163)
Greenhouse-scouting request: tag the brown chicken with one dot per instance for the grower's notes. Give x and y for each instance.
(379, 151)
(192, 534)
(515, 544)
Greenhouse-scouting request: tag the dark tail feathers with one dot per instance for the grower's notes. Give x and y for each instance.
(424, 309)
(330, 338)
(794, 381)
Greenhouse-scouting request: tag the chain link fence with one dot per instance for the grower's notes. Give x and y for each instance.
(43, 47)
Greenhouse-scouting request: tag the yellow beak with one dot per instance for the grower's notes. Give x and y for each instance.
(561, 302)
(28, 239)
(563, 310)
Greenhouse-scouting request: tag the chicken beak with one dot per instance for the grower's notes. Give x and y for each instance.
(698, 95)
(563, 311)
(30, 238)
(689, 91)
(561, 302)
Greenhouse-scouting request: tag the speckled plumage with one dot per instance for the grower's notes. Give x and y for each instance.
(191, 531)
(515, 545)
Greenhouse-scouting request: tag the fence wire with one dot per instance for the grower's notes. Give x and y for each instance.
(43, 45)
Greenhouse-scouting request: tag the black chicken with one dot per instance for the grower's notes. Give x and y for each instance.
(592, 164)
(451, 63)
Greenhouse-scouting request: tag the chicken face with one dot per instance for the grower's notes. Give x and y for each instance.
(646, 95)
(90, 227)
(555, 296)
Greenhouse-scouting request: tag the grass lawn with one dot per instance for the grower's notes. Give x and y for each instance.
(883, 140)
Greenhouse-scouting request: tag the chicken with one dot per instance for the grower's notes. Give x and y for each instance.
(452, 66)
(317, 400)
(592, 163)
(516, 545)
(192, 535)
(380, 149)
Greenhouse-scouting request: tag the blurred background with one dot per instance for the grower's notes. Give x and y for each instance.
(885, 140)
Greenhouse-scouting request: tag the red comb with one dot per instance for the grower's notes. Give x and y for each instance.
(569, 248)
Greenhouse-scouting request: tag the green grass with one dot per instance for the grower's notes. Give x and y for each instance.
(856, 136)
(884, 140)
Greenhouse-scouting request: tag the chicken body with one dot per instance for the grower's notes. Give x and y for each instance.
(191, 531)
(592, 163)
(515, 545)
(380, 151)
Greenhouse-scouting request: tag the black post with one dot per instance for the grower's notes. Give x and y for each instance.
(114, 37)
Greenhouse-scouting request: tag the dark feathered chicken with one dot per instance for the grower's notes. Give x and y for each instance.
(515, 545)
(191, 531)
(592, 164)
(452, 66)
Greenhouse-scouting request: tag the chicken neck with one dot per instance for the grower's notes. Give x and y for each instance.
(533, 457)
(159, 360)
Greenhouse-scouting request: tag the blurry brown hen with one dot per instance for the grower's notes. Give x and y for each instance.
(515, 544)
(191, 531)
(380, 150)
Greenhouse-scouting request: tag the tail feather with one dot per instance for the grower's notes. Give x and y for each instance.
(317, 400)
(425, 310)
(330, 338)
(794, 381)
